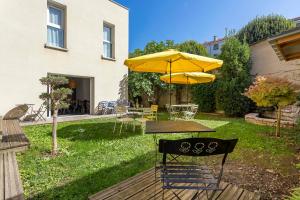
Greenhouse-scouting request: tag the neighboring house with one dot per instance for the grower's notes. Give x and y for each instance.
(214, 47)
(86, 41)
(297, 20)
(278, 56)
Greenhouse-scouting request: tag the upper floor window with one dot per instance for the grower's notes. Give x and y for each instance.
(55, 26)
(216, 46)
(108, 45)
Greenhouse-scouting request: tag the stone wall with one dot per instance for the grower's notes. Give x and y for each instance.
(288, 113)
(255, 119)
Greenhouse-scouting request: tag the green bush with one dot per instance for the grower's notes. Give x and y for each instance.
(231, 100)
(263, 27)
(205, 96)
(234, 78)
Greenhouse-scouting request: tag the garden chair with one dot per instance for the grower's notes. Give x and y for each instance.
(110, 109)
(190, 175)
(151, 113)
(16, 113)
(37, 115)
(188, 115)
(122, 118)
(174, 114)
(102, 107)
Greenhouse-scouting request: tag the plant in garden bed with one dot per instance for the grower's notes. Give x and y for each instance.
(272, 91)
(57, 99)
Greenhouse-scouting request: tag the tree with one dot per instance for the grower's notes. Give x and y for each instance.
(234, 77)
(193, 47)
(272, 91)
(263, 27)
(57, 97)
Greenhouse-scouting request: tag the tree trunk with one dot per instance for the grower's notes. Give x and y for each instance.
(54, 133)
(278, 121)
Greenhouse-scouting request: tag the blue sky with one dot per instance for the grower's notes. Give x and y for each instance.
(181, 20)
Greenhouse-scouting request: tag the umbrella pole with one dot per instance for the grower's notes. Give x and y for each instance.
(187, 94)
(170, 88)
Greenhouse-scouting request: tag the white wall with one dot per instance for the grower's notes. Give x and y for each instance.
(23, 58)
(266, 62)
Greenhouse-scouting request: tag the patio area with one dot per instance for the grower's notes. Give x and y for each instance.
(144, 186)
(93, 162)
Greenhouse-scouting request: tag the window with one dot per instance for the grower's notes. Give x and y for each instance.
(216, 47)
(108, 41)
(55, 27)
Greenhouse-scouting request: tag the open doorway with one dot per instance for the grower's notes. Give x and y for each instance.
(81, 101)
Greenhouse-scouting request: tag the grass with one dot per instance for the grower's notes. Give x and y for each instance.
(92, 158)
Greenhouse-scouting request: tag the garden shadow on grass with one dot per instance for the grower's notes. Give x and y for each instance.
(96, 131)
(95, 182)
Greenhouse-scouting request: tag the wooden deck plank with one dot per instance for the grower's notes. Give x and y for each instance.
(120, 186)
(12, 187)
(1, 177)
(143, 186)
(132, 189)
(13, 137)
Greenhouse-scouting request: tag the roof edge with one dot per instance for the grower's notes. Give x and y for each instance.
(119, 4)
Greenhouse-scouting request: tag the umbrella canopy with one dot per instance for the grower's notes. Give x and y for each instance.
(172, 61)
(188, 78)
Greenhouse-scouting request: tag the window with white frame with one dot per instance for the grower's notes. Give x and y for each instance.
(55, 26)
(108, 41)
(216, 46)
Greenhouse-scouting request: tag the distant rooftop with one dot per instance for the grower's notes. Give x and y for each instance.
(297, 20)
(214, 41)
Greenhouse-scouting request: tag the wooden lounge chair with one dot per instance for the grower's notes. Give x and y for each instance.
(16, 113)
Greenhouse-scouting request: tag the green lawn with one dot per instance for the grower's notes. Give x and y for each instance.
(92, 158)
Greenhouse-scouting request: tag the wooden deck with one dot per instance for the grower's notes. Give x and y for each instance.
(143, 186)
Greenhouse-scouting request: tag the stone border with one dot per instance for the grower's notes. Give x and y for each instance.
(255, 119)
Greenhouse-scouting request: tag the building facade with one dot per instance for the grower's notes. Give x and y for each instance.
(214, 47)
(85, 41)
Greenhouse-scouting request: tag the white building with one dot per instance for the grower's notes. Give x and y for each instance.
(86, 41)
(214, 47)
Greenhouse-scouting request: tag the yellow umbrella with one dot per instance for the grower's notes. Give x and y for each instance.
(172, 61)
(188, 78)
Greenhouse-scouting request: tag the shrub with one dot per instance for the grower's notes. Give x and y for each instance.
(263, 27)
(272, 91)
(234, 78)
(205, 96)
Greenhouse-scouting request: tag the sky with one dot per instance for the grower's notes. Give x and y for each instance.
(199, 20)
